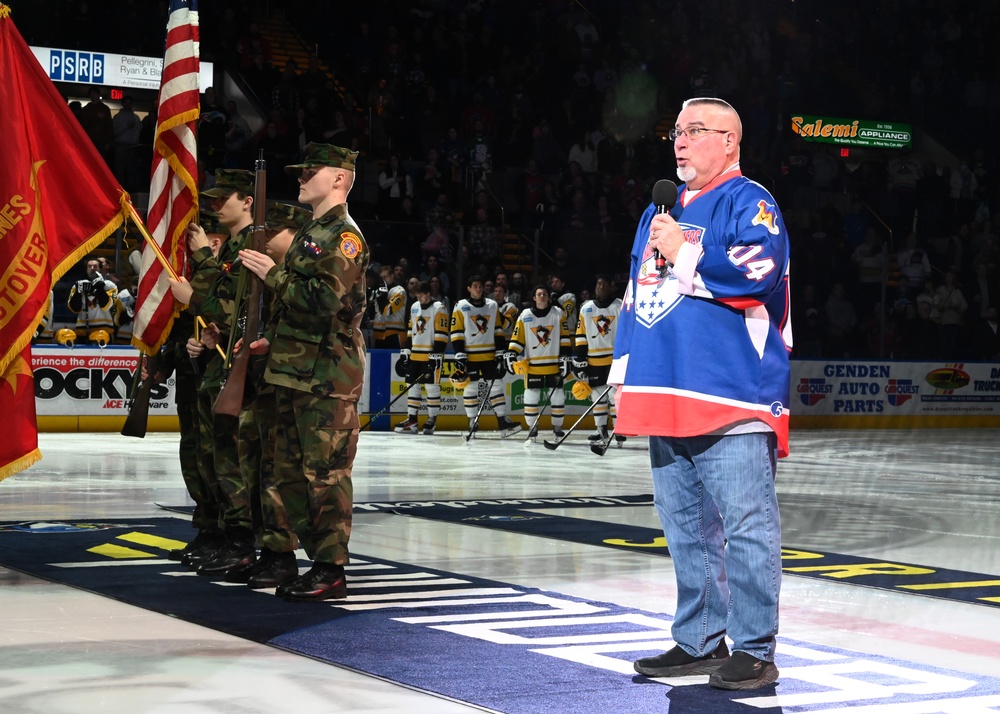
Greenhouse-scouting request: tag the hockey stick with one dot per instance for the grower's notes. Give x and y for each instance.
(482, 404)
(533, 431)
(552, 446)
(387, 407)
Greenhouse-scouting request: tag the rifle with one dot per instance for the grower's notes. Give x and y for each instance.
(138, 412)
(230, 399)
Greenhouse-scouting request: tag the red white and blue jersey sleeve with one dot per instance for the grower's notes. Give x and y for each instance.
(704, 347)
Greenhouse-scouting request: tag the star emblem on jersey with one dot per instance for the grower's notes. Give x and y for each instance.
(543, 334)
(655, 295)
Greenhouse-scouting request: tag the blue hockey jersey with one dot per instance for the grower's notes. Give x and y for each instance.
(703, 348)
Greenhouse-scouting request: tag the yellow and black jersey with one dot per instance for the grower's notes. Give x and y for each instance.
(508, 318)
(392, 320)
(595, 332)
(428, 330)
(542, 337)
(475, 329)
(567, 303)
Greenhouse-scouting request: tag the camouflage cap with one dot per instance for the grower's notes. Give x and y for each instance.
(286, 215)
(209, 221)
(229, 181)
(317, 155)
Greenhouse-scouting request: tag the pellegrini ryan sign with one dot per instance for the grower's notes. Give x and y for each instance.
(853, 132)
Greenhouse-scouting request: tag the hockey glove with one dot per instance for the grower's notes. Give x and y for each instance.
(580, 368)
(564, 365)
(461, 362)
(402, 363)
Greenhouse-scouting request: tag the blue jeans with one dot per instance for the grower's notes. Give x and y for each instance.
(716, 500)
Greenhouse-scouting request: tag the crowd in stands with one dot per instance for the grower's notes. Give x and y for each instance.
(489, 117)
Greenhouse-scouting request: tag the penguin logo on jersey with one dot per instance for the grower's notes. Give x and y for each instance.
(421, 324)
(482, 323)
(543, 334)
(603, 323)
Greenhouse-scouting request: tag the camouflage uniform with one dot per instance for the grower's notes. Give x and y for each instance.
(259, 425)
(215, 289)
(317, 365)
(174, 360)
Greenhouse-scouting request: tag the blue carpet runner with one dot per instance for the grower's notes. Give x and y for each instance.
(506, 648)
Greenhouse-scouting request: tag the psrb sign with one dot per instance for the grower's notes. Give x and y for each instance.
(71, 66)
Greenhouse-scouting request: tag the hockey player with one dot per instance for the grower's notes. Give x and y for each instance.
(95, 302)
(420, 362)
(508, 311)
(594, 350)
(542, 337)
(478, 339)
(390, 321)
(562, 298)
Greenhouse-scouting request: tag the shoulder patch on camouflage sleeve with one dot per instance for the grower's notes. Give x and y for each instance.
(350, 245)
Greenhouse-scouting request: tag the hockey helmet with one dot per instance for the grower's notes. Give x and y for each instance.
(100, 337)
(66, 337)
(581, 390)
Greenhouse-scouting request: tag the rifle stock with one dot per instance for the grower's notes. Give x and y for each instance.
(230, 399)
(138, 412)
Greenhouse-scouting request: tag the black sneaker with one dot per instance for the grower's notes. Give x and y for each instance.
(744, 671)
(209, 547)
(239, 555)
(273, 570)
(179, 553)
(678, 663)
(323, 581)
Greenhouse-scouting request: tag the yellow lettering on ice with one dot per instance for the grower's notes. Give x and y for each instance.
(860, 569)
(152, 541)
(658, 542)
(118, 552)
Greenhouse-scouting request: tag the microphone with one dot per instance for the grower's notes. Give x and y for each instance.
(664, 198)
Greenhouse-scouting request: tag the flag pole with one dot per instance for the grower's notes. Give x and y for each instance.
(151, 242)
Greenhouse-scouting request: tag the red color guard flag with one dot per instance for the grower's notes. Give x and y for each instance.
(173, 192)
(58, 200)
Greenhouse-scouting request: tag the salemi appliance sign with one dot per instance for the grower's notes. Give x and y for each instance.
(853, 132)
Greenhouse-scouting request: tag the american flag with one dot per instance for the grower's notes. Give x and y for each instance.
(173, 191)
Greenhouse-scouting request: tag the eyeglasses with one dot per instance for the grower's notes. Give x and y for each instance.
(693, 132)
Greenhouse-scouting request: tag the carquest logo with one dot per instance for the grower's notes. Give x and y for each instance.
(69, 66)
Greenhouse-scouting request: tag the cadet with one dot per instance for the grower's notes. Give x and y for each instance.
(316, 363)
(211, 295)
(258, 433)
(420, 363)
(174, 359)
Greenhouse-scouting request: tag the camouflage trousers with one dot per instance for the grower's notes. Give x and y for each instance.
(206, 509)
(317, 440)
(258, 432)
(218, 440)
